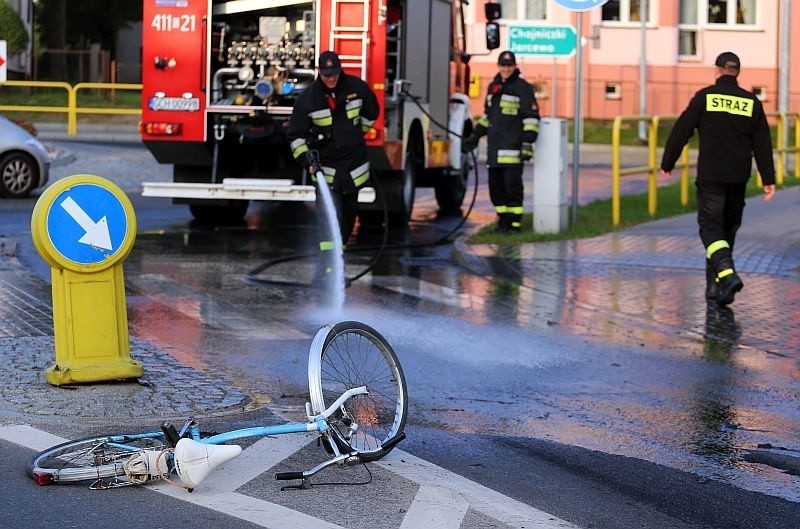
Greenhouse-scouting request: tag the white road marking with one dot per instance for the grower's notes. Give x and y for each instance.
(260, 456)
(436, 508)
(24, 435)
(259, 512)
(441, 502)
(482, 499)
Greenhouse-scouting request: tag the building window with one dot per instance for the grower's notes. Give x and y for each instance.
(711, 14)
(540, 89)
(625, 11)
(719, 12)
(687, 43)
(524, 9)
(613, 91)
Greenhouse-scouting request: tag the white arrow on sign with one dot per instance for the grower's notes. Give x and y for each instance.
(97, 233)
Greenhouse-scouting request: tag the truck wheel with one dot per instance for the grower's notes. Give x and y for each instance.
(451, 187)
(400, 215)
(231, 213)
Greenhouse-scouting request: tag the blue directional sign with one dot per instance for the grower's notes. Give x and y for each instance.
(580, 5)
(87, 224)
(549, 41)
(83, 222)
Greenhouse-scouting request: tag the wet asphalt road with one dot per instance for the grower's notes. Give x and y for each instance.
(527, 378)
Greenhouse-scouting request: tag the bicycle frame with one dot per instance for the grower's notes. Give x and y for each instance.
(318, 423)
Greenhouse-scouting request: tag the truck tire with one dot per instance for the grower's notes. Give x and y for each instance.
(451, 186)
(231, 213)
(401, 214)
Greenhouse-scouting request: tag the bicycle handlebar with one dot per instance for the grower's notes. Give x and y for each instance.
(352, 392)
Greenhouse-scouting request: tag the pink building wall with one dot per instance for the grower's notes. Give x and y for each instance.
(613, 57)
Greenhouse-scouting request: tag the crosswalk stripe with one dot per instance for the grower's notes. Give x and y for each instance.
(32, 438)
(259, 512)
(260, 456)
(482, 499)
(435, 508)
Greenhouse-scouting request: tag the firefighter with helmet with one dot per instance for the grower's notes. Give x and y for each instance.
(511, 122)
(329, 120)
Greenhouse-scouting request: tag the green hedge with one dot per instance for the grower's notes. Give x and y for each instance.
(12, 30)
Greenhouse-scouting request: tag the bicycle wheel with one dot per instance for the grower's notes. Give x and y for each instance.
(351, 354)
(93, 458)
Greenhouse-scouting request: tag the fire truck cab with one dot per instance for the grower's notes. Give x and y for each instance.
(220, 78)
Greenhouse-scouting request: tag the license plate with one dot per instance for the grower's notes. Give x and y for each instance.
(178, 104)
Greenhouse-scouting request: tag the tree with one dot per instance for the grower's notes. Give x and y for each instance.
(12, 29)
(79, 23)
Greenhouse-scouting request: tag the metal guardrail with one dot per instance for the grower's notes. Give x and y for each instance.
(72, 109)
(783, 122)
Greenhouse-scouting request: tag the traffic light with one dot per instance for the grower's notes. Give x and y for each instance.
(493, 12)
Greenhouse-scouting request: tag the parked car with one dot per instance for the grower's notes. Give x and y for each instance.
(24, 161)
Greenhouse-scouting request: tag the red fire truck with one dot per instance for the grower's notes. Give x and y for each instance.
(220, 77)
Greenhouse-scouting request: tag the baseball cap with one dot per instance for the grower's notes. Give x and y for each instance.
(329, 63)
(507, 58)
(728, 59)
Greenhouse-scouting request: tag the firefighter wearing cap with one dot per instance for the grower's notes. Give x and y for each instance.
(330, 118)
(511, 122)
(733, 129)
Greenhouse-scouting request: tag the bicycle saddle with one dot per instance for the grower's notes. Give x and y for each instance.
(194, 461)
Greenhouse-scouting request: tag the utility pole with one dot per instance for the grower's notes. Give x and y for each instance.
(643, 71)
(783, 68)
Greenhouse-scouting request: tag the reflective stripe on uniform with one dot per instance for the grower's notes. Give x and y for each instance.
(353, 108)
(716, 246)
(516, 210)
(509, 105)
(299, 147)
(366, 124)
(329, 173)
(483, 121)
(322, 118)
(326, 246)
(741, 106)
(360, 174)
(530, 125)
(501, 210)
(508, 156)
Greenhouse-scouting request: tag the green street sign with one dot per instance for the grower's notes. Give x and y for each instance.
(542, 41)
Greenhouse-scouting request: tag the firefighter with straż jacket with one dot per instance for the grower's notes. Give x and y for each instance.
(733, 129)
(511, 122)
(330, 118)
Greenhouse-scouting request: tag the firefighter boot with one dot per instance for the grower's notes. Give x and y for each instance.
(728, 281)
(712, 288)
(503, 223)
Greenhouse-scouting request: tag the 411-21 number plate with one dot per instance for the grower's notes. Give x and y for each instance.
(178, 104)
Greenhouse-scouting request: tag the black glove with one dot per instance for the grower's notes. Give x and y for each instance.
(312, 161)
(526, 153)
(469, 144)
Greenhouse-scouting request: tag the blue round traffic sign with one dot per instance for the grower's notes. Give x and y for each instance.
(580, 5)
(84, 223)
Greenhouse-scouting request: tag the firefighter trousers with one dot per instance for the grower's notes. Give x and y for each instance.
(345, 206)
(719, 214)
(507, 193)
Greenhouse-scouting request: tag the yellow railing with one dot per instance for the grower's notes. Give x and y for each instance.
(72, 109)
(782, 121)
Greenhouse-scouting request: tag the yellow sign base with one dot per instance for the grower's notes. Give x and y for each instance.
(59, 375)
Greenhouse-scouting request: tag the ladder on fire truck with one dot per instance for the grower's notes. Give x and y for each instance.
(341, 33)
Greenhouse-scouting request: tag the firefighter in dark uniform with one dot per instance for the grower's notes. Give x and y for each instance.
(733, 129)
(330, 118)
(511, 122)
